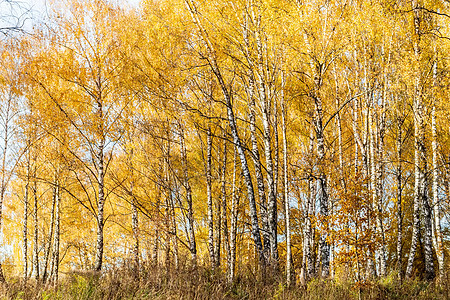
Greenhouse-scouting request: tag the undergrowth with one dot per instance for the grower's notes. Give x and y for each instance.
(202, 283)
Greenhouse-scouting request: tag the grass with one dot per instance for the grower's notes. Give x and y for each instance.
(202, 283)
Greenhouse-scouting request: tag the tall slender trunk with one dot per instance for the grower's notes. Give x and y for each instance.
(167, 208)
(212, 255)
(224, 216)
(272, 171)
(372, 160)
(271, 201)
(171, 215)
(156, 224)
(55, 258)
(251, 91)
(341, 166)
(6, 136)
(134, 215)
(259, 178)
(436, 202)
(187, 186)
(36, 230)
(174, 231)
(416, 218)
(266, 105)
(376, 184)
(168, 234)
(25, 221)
(399, 199)
(365, 153)
(135, 230)
(355, 135)
(421, 195)
(100, 209)
(226, 90)
(309, 236)
(324, 247)
(245, 171)
(48, 248)
(218, 232)
(233, 219)
(100, 156)
(315, 96)
(276, 175)
(218, 225)
(380, 131)
(289, 273)
(428, 231)
(356, 174)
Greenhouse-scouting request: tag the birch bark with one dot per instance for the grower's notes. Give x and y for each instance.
(289, 274)
(421, 195)
(399, 198)
(436, 202)
(224, 223)
(101, 188)
(187, 186)
(56, 241)
(212, 255)
(251, 90)
(234, 130)
(36, 230)
(48, 246)
(234, 218)
(25, 218)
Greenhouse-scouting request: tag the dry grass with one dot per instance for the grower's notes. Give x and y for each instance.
(202, 283)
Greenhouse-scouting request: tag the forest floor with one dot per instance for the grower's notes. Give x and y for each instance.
(201, 283)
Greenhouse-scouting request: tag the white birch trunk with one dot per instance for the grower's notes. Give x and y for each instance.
(421, 195)
(212, 255)
(289, 273)
(25, 219)
(101, 190)
(399, 199)
(233, 225)
(251, 91)
(224, 223)
(56, 241)
(48, 247)
(36, 231)
(436, 203)
(234, 130)
(187, 186)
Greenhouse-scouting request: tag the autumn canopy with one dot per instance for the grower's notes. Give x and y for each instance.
(305, 138)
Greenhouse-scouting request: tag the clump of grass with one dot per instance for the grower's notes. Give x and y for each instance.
(156, 282)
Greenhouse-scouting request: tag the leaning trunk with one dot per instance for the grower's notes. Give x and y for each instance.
(234, 131)
(251, 91)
